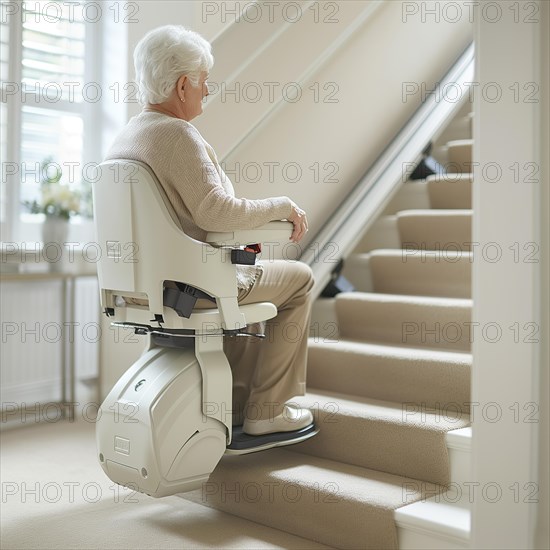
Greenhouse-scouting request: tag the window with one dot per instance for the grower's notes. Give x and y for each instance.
(49, 87)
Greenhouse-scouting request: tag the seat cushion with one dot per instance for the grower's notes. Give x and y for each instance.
(200, 318)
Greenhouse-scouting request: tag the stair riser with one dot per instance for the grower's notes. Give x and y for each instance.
(357, 271)
(402, 323)
(382, 234)
(450, 232)
(450, 193)
(422, 273)
(429, 384)
(460, 128)
(424, 234)
(412, 272)
(459, 156)
(324, 323)
(295, 508)
(411, 195)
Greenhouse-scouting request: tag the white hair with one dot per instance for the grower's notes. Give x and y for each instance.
(166, 53)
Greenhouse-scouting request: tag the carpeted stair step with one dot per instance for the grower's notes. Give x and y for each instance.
(412, 194)
(383, 233)
(459, 155)
(450, 191)
(357, 271)
(434, 378)
(402, 439)
(435, 229)
(336, 504)
(459, 128)
(425, 273)
(417, 321)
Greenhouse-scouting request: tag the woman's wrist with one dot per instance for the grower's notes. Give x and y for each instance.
(283, 207)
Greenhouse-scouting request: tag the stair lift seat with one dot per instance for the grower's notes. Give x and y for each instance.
(167, 422)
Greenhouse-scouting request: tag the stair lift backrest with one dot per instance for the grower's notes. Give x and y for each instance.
(142, 246)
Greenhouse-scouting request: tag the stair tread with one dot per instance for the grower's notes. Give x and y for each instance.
(450, 177)
(364, 485)
(460, 142)
(398, 253)
(316, 498)
(433, 213)
(392, 350)
(389, 412)
(437, 256)
(428, 301)
(420, 300)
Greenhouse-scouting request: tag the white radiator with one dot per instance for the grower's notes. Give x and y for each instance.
(41, 335)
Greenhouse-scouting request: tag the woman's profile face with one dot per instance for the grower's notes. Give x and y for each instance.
(195, 96)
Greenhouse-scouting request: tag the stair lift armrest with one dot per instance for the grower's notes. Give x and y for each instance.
(272, 232)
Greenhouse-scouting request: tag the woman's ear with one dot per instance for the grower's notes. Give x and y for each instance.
(180, 86)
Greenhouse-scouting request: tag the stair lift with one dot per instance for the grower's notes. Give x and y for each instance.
(167, 422)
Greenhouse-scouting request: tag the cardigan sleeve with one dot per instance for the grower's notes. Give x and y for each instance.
(198, 180)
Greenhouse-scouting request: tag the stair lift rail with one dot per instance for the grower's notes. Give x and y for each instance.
(167, 422)
(374, 190)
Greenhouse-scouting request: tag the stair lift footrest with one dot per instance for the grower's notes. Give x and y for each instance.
(242, 443)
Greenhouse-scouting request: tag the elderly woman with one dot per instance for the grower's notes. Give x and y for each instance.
(172, 66)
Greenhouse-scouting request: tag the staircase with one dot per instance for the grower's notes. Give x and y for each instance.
(388, 383)
(383, 404)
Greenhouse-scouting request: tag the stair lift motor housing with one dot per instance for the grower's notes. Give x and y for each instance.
(151, 433)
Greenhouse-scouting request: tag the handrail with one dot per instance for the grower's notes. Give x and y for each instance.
(374, 190)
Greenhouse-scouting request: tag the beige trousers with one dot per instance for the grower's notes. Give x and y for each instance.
(269, 372)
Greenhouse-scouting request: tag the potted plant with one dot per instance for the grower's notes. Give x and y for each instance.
(58, 202)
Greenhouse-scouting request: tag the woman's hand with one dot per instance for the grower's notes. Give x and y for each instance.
(299, 219)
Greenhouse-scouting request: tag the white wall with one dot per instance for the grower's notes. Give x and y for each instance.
(510, 374)
(542, 531)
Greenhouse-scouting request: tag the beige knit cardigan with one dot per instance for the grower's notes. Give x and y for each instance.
(202, 195)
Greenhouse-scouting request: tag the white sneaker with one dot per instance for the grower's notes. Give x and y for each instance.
(291, 419)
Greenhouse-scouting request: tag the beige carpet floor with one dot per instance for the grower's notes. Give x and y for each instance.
(55, 496)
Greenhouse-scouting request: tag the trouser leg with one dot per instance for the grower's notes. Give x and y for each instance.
(242, 354)
(273, 370)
